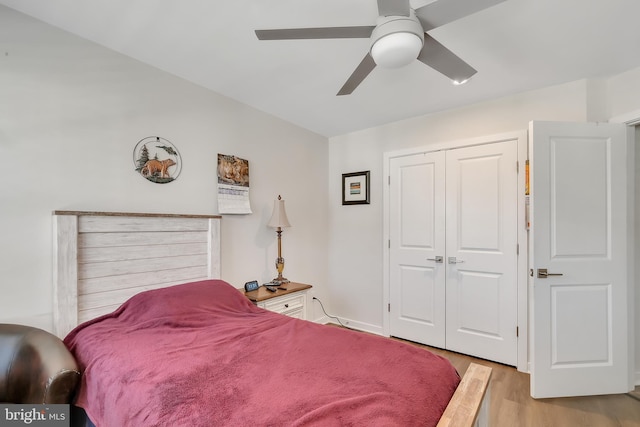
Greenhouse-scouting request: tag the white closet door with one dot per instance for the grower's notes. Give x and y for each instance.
(417, 227)
(482, 295)
(453, 243)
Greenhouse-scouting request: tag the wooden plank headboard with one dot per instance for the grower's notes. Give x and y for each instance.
(101, 259)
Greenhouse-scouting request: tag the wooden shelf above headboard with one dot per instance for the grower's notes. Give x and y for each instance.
(104, 258)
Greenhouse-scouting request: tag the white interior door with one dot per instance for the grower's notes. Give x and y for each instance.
(482, 292)
(579, 217)
(417, 247)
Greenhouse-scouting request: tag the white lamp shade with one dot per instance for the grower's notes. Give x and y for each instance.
(396, 49)
(279, 215)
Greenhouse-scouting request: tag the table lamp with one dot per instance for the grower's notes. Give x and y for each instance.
(278, 221)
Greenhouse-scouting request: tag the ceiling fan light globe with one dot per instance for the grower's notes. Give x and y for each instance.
(396, 50)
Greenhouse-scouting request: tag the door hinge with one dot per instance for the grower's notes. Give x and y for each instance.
(389, 307)
(517, 331)
(517, 166)
(389, 180)
(517, 248)
(389, 243)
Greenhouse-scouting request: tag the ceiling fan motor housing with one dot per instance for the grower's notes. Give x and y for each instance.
(397, 40)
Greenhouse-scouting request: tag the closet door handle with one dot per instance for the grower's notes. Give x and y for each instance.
(436, 259)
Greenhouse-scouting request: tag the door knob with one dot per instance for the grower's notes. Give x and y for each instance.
(543, 274)
(436, 259)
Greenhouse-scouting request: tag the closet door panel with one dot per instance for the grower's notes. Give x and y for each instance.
(417, 292)
(481, 239)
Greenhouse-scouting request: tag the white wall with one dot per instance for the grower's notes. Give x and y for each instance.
(355, 245)
(625, 106)
(623, 91)
(71, 113)
(637, 255)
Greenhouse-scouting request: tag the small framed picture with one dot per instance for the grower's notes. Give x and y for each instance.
(355, 188)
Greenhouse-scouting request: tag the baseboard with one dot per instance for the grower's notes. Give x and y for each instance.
(351, 324)
(322, 320)
(359, 326)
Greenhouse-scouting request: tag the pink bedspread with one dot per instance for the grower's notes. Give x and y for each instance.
(200, 354)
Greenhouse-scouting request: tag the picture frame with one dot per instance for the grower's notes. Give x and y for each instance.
(355, 188)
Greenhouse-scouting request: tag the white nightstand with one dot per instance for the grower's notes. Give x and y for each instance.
(291, 301)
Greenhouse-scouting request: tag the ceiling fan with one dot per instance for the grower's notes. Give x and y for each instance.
(399, 37)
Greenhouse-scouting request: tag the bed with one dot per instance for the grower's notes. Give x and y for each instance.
(162, 341)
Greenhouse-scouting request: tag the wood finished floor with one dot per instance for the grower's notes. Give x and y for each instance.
(512, 406)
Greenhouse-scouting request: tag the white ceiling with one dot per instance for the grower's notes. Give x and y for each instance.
(516, 46)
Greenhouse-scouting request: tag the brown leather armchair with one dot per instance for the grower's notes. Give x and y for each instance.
(35, 367)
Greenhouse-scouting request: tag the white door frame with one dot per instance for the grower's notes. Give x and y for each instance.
(523, 296)
(632, 119)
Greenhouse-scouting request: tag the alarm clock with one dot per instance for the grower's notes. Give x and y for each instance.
(251, 286)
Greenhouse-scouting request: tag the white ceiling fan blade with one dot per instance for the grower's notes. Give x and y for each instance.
(444, 61)
(442, 12)
(393, 7)
(363, 32)
(360, 73)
